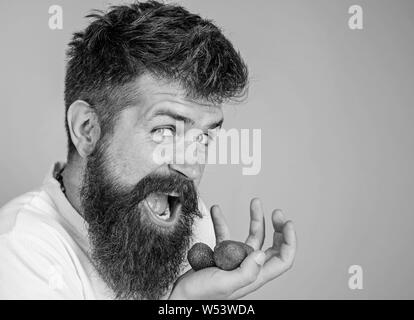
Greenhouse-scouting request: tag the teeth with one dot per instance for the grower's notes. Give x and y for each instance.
(174, 194)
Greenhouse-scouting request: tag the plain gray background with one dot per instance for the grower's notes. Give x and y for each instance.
(336, 111)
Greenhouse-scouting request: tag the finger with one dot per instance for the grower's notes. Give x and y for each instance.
(288, 247)
(220, 226)
(275, 249)
(282, 234)
(257, 225)
(281, 259)
(278, 220)
(244, 275)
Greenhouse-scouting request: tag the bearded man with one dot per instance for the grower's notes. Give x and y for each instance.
(112, 222)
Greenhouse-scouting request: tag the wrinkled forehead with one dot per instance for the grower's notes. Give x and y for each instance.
(155, 95)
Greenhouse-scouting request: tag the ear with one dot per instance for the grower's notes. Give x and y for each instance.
(84, 127)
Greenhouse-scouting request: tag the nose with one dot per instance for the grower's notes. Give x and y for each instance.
(191, 171)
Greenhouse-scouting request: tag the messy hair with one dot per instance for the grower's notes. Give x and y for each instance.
(164, 40)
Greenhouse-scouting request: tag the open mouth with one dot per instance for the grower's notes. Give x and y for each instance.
(164, 207)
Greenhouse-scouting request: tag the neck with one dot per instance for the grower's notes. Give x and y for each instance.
(72, 180)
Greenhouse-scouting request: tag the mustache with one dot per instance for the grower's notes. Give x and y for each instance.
(173, 182)
(111, 194)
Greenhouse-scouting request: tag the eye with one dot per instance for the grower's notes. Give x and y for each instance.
(203, 138)
(160, 134)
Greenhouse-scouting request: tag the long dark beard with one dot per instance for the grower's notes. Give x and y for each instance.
(134, 256)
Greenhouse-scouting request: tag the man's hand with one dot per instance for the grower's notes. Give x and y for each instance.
(257, 269)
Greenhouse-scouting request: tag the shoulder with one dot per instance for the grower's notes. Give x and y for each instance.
(31, 207)
(34, 220)
(33, 250)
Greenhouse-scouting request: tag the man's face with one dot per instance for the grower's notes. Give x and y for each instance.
(141, 129)
(140, 212)
(163, 117)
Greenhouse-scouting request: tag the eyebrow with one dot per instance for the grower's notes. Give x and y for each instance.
(186, 120)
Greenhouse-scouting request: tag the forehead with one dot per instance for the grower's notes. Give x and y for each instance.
(155, 94)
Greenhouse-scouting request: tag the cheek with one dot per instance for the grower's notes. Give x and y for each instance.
(131, 159)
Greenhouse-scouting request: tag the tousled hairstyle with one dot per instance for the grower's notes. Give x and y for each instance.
(164, 40)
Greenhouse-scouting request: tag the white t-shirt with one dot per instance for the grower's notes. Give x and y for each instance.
(45, 251)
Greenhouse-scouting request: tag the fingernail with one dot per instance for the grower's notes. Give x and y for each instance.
(260, 258)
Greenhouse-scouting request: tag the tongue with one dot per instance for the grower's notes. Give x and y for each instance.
(158, 202)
